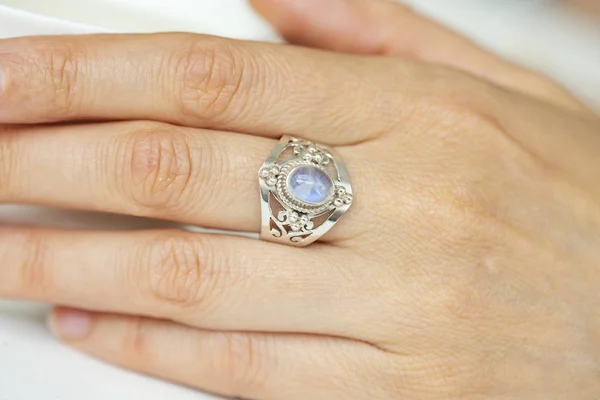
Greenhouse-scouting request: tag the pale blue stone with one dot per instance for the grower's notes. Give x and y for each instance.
(310, 184)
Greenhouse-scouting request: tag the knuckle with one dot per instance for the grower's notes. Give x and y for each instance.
(135, 342)
(243, 361)
(10, 158)
(186, 272)
(61, 67)
(35, 277)
(212, 77)
(161, 166)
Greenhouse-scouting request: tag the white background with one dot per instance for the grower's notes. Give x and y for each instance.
(33, 366)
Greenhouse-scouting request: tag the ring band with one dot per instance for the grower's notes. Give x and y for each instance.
(304, 191)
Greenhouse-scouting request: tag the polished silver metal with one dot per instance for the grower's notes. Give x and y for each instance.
(288, 220)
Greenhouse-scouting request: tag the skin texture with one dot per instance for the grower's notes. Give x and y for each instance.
(468, 267)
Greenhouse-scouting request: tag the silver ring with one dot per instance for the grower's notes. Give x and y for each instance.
(304, 191)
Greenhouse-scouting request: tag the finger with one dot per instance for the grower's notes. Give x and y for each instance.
(215, 282)
(143, 169)
(147, 169)
(389, 28)
(190, 80)
(244, 365)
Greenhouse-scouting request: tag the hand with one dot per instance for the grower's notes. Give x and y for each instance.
(468, 267)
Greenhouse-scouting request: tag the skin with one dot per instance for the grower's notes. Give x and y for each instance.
(587, 6)
(468, 267)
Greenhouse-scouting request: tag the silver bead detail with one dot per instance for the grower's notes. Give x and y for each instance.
(294, 217)
(272, 181)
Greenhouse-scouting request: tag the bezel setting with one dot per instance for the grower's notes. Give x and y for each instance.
(286, 195)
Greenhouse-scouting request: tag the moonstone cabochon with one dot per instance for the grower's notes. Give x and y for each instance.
(310, 184)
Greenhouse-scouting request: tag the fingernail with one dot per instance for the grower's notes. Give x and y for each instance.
(70, 324)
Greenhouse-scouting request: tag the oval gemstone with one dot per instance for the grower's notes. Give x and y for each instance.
(310, 184)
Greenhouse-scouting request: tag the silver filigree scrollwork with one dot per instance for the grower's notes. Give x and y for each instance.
(289, 219)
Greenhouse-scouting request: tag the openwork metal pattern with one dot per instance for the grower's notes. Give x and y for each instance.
(305, 190)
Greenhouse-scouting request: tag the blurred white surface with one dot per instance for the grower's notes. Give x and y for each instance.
(33, 366)
(541, 34)
(232, 18)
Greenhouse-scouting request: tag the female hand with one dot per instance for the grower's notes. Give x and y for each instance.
(467, 268)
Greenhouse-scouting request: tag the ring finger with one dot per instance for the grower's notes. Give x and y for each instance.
(148, 169)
